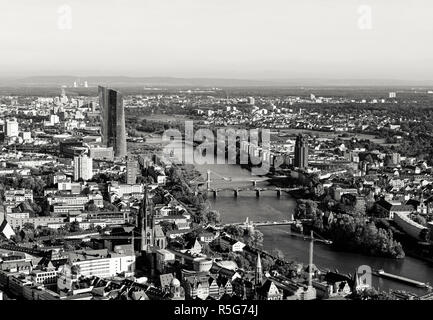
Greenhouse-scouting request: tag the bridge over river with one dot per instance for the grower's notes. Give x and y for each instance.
(237, 190)
(253, 224)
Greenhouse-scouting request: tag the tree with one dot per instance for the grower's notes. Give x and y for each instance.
(92, 206)
(425, 235)
(36, 208)
(191, 236)
(29, 226)
(254, 238)
(213, 217)
(109, 206)
(267, 262)
(234, 230)
(318, 222)
(75, 226)
(369, 159)
(242, 262)
(278, 253)
(305, 209)
(166, 226)
(355, 234)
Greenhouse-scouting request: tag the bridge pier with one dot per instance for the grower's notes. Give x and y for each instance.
(254, 183)
(257, 193)
(236, 192)
(278, 193)
(215, 193)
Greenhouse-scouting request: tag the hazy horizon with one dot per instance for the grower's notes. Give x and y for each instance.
(219, 39)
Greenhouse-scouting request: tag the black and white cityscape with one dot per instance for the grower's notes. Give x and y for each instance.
(216, 151)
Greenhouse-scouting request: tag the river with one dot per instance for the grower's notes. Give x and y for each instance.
(270, 207)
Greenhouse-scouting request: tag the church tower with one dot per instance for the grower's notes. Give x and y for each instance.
(258, 275)
(146, 222)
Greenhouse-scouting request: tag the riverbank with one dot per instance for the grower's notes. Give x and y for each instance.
(296, 249)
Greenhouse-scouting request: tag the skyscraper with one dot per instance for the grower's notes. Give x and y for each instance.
(112, 120)
(131, 170)
(301, 152)
(83, 167)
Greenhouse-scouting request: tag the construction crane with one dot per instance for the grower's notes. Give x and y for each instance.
(310, 261)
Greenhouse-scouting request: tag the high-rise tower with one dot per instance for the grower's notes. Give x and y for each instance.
(131, 170)
(301, 152)
(112, 120)
(83, 168)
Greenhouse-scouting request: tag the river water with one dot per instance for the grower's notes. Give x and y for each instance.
(270, 207)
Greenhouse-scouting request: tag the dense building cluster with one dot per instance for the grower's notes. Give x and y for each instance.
(82, 217)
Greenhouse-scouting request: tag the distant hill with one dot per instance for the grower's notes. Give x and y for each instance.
(122, 81)
(137, 81)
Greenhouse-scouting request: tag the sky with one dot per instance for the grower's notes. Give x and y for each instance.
(240, 39)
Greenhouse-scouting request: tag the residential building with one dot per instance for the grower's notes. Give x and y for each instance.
(83, 168)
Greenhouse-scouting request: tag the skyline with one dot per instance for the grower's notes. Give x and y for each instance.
(209, 39)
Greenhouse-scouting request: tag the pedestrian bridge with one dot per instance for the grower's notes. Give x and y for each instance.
(248, 223)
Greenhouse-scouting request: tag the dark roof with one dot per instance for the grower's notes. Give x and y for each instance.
(332, 277)
(266, 286)
(413, 202)
(394, 207)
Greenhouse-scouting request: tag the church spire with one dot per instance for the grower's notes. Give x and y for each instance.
(147, 222)
(258, 276)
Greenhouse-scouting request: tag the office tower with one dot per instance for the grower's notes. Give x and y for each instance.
(392, 95)
(131, 170)
(301, 152)
(83, 167)
(112, 120)
(251, 101)
(11, 127)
